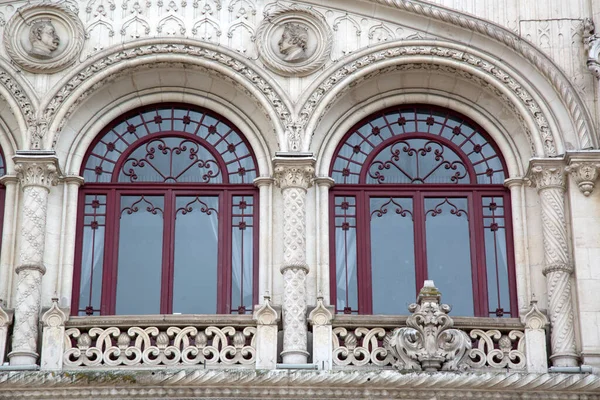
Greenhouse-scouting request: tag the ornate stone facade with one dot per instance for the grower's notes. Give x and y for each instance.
(294, 78)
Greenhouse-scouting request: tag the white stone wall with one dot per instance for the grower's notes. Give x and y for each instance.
(536, 98)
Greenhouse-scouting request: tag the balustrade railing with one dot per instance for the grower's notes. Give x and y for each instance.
(164, 340)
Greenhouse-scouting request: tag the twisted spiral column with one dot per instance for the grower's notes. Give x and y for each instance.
(294, 176)
(550, 182)
(36, 173)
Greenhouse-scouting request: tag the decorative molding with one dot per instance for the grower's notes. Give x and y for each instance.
(277, 384)
(429, 343)
(149, 50)
(568, 94)
(403, 53)
(313, 51)
(51, 19)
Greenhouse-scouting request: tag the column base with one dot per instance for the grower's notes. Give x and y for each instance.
(564, 360)
(23, 358)
(295, 356)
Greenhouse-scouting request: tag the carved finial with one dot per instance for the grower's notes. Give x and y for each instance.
(54, 317)
(534, 318)
(265, 314)
(320, 315)
(428, 343)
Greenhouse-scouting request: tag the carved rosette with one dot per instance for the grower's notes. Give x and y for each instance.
(294, 177)
(550, 182)
(585, 174)
(36, 173)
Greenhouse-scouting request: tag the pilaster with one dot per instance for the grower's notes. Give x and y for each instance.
(321, 318)
(267, 319)
(294, 174)
(535, 339)
(37, 172)
(548, 176)
(53, 337)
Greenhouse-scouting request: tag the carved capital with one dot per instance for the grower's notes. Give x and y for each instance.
(585, 174)
(6, 317)
(265, 314)
(294, 172)
(37, 169)
(54, 317)
(320, 315)
(546, 176)
(534, 318)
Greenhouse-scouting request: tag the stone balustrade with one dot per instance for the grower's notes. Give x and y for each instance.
(164, 340)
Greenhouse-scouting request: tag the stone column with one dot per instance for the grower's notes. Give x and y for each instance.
(37, 172)
(265, 268)
(549, 178)
(323, 185)
(294, 175)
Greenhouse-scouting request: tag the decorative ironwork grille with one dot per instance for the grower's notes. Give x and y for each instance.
(168, 208)
(419, 195)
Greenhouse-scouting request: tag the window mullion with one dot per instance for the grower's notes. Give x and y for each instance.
(168, 256)
(420, 242)
(478, 262)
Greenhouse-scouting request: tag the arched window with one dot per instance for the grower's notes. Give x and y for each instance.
(419, 195)
(167, 216)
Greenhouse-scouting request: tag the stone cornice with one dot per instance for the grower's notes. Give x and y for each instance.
(241, 383)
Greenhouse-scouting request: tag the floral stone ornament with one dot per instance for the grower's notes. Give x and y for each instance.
(44, 37)
(294, 41)
(429, 343)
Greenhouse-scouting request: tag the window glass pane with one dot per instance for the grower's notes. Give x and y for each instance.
(449, 251)
(345, 254)
(196, 251)
(140, 255)
(392, 255)
(242, 251)
(94, 224)
(496, 256)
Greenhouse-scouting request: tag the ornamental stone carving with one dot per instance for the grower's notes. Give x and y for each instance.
(294, 175)
(549, 178)
(44, 37)
(583, 166)
(429, 343)
(294, 41)
(37, 172)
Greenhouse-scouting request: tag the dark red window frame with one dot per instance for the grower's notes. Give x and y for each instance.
(225, 191)
(363, 192)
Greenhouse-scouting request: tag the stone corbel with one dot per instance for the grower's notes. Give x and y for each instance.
(591, 40)
(53, 337)
(321, 318)
(584, 168)
(267, 319)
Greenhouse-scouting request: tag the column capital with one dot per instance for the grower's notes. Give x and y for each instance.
(511, 182)
(583, 166)
(324, 181)
(263, 181)
(37, 168)
(295, 170)
(546, 174)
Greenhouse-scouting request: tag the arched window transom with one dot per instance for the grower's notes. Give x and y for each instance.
(418, 196)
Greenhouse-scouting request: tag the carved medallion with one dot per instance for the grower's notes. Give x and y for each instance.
(44, 37)
(294, 41)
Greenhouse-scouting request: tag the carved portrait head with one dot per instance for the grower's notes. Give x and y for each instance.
(43, 39)
(293, 42)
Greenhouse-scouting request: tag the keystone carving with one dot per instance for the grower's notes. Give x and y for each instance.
(429, 343)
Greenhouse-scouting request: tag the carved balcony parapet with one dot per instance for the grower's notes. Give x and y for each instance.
(365, 341)
(169, 341)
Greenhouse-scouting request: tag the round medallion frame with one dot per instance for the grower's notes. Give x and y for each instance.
(67, 25)
(319, 43)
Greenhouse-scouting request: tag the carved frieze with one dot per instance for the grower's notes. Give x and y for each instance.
(294, 41)
(44, 37)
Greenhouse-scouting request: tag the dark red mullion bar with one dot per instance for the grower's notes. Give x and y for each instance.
(478, 261)
(420, 247)
(510, 255)
(363, 253)
(255, 240)
(224, 256)
(332, 253)
(78, 255)
(168, 253)
(111, 255)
